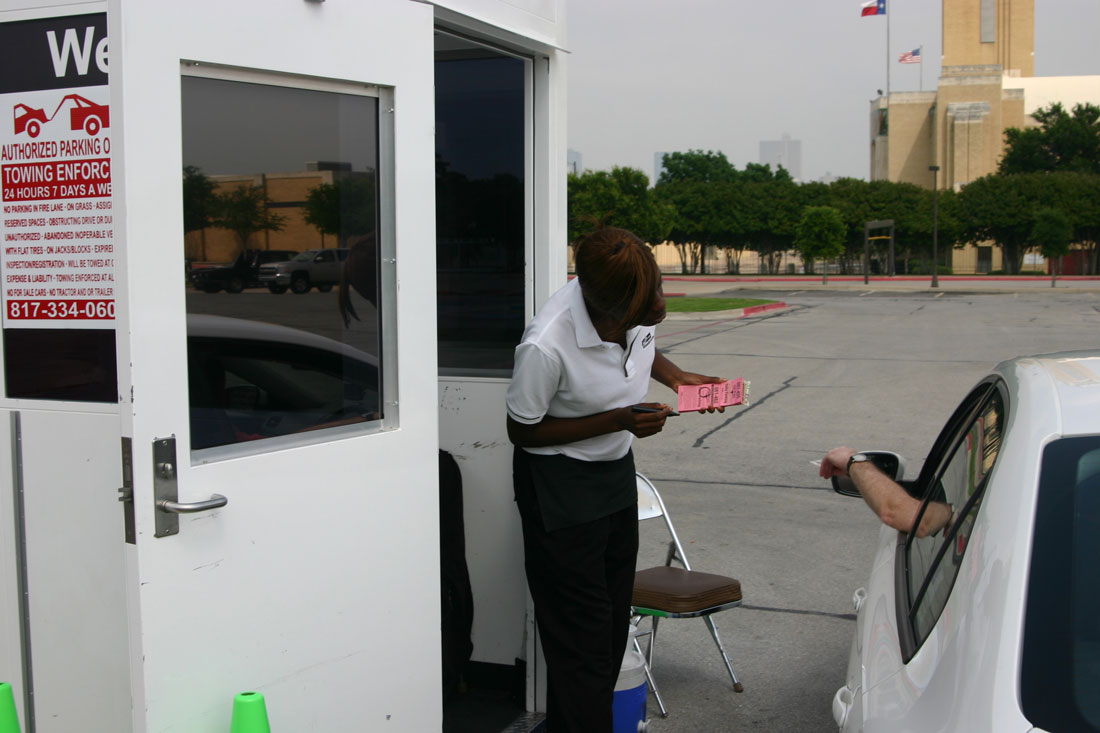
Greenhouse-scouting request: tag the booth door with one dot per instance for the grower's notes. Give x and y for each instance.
(285, 452)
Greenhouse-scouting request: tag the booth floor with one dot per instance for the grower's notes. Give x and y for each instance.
(491, 701)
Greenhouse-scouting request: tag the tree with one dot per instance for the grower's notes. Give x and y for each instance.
(689, 201)
(344, 208)
(820, 234)
(244, 211)
(620, 198)
(718, 206)
(199, 203)
(771, 210)
(322, 209)
(697, 166)
(1063, 141)
(1052, 234)
(1003, 208)
(999, 208)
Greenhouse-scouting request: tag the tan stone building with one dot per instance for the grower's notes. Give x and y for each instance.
(287, 193)
(987, 85)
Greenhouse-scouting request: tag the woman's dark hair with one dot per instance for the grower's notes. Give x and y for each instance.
(618, 275)
(359, 272)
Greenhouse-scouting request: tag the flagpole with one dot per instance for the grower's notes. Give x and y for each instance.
(887, 54)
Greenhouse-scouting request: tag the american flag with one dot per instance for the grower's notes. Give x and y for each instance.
(910, 57)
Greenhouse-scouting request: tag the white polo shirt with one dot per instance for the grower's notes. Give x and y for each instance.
(564, 369)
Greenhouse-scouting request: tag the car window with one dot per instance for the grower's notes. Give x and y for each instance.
(955, 492)
(1060, 664)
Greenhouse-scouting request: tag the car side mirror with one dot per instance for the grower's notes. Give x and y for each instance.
(890, 463)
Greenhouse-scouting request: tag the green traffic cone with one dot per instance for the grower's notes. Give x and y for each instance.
(249, 714)
(9, 721)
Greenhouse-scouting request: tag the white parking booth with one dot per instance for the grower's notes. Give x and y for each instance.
(231, 482)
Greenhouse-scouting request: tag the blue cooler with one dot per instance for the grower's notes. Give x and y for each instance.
(628, 707)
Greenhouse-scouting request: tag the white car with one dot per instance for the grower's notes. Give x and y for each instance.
(249, 380)
(992, 623)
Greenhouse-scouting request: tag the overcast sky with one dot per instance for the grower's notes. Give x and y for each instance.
(673, 75)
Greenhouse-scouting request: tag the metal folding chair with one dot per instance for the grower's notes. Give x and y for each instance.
(666, 591)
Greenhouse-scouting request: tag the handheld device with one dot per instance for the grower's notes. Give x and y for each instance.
(647, 408)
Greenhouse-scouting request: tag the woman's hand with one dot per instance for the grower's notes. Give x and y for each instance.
(673, 377)
(691, 378)
(643, 424)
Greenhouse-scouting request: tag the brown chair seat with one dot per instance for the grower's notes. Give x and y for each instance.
(675, 590)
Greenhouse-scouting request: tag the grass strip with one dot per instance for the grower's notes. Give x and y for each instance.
(703, 305)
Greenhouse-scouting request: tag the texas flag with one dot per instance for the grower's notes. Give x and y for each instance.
(874, 7)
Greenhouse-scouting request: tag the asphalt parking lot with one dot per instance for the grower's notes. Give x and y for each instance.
(867, 367)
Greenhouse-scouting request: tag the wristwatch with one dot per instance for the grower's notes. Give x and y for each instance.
(856, 458)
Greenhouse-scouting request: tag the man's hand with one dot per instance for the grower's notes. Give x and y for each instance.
(835, 462)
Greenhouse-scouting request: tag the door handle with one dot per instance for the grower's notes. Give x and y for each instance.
(177, 507)
(842, 705)
(166, 504)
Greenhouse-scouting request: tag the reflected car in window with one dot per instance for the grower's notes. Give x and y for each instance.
(314, 268)
(249, 381)
(243, 273)
(992, 622)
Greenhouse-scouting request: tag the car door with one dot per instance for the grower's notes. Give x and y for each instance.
(320, 572)
(324, 268)
(952, 486)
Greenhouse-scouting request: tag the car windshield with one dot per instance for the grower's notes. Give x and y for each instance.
(1061, 656)
(305, 256)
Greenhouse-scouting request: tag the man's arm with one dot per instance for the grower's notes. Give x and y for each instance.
(886, 497)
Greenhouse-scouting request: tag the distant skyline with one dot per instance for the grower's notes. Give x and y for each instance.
(783, 153)
(648, 75)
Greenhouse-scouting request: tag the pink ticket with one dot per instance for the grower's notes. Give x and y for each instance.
(701, 396)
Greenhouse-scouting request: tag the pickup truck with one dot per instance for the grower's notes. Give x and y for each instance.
(243, 273)
(314, 268)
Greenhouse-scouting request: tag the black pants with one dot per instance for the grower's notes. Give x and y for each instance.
(581, 579)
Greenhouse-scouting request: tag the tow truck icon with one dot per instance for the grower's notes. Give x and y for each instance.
(85, 115)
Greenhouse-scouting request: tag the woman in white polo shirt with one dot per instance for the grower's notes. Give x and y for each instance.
(584, 360)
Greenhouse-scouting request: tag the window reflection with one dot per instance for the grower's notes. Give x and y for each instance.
(480, 212)
(280, 219)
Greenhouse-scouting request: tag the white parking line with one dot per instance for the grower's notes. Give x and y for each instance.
(869, 292)
(939, 295)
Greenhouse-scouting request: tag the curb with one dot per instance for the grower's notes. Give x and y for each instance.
(761, 308)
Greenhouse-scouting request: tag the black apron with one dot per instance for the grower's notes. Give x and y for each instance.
(569, 491)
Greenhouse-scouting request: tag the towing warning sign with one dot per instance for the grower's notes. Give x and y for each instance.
(57, 254)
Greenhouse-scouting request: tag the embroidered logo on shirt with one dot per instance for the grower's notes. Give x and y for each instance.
(647, 340)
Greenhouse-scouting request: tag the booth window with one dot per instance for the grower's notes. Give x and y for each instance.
(481, 219)
(281, 245)
(73, 365)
